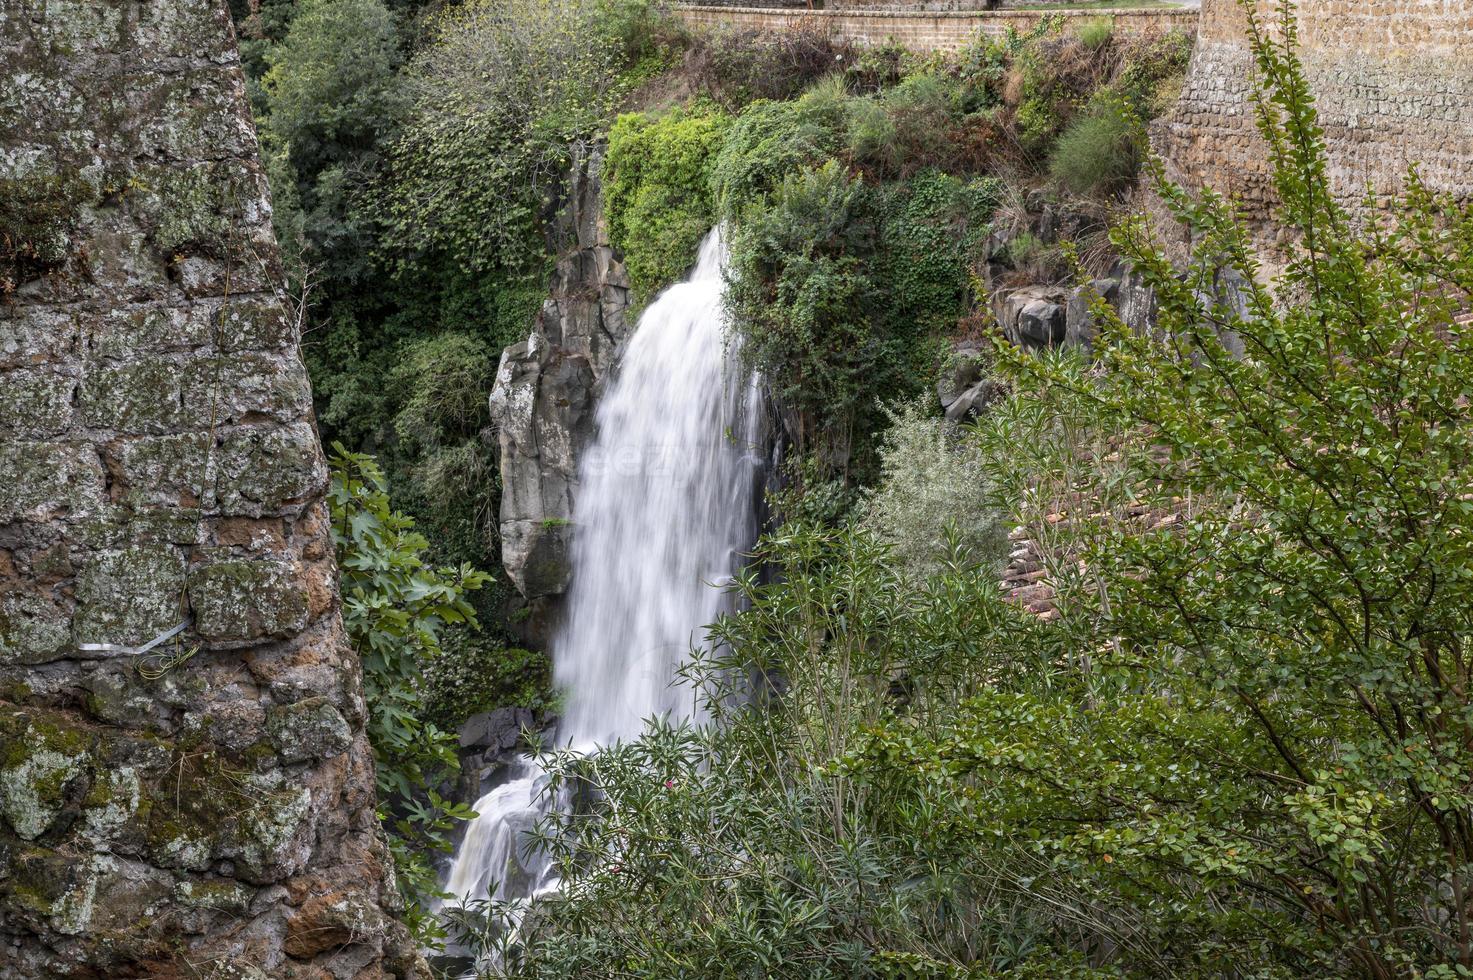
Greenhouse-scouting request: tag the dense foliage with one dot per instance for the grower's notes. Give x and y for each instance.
(395, 610)
(1241, 749)
(657, 196)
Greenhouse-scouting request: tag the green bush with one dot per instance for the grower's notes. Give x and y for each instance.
(474, 673)
(657, 195)
(907, 128)
(332, 95)
(932, 503)
(499, 93)
(1096, 32)
(395, 608)
(1099, 153)
(770, 141)
(838, 290)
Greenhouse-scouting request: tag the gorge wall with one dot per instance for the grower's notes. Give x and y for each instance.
(546, 389)
(1392, 81)
(204, 808)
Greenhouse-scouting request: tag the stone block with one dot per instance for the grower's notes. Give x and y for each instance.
(236, 601)
(144, 397)
(35, 404)
(129, 595)
(308, 730)
(33, 629)
(255, 323)
(132, 332)
(170, 471)
(41, 481)
(268, 471)
(37, 336)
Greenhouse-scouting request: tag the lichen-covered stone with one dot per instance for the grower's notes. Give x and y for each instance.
(310, 729)
(36, 404)
(129, 596)
(267, 472)
(41, 480)
(160, 811)
(247, 600)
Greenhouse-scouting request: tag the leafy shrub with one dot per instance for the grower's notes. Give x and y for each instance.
(933, 502)
(1099, 153)
(499, 94)
(1151, 72)
(394, 609)
(475, 674)
(657, 195)
(836, 288)
(770, 141)
(745, 848)
(907, 128)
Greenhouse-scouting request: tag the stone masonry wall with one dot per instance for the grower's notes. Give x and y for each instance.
(205, 809)
(1392, 80)
(923, 32)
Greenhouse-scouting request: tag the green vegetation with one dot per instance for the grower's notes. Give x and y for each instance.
(395, 608)
(839, 290)
(657, 191)
(1241, 747)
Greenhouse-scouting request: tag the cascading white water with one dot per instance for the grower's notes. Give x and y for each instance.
(666, 506)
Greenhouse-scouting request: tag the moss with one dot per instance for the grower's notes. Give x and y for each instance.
(195, 211)
(40, 760)
(14, 691)
(38, 215)
(205, 809)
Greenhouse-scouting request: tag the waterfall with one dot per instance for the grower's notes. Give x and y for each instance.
(666, 506)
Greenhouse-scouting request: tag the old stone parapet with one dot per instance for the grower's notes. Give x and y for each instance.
(205, 806)
(924, 30)
(1392, 82)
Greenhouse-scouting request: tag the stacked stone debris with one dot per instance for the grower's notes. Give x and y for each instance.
(204, 807)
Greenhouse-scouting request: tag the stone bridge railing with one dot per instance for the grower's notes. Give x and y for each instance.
(919, 29)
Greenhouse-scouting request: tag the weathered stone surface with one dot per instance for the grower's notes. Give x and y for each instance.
(1032, 317)
(1080, 326)
(1393, 86)
(495, 731)
(962, 370)
(205, 809)
(543, 401)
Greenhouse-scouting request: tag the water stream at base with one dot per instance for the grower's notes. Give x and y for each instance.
(666, 506)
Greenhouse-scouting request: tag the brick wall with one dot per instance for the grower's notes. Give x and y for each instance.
(205, 809)
(923, 32)
(1392, 79)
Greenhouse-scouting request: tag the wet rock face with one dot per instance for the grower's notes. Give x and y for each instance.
(205, 808)
(543, 401)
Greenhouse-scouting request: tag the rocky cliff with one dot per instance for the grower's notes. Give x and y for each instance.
(543, 402)
(200, 805)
